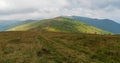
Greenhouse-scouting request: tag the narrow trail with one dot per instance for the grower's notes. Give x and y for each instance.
(67, 53)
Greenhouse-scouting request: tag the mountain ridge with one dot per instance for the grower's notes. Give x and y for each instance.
(60, 24)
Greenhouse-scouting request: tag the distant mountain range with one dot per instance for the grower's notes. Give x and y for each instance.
(7, 24)
(104, 24)
(60, 24)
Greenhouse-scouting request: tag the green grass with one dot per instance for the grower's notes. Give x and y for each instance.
(60, 24)
(54, 47)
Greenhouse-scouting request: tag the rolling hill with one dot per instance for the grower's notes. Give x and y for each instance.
(51, 47)
(104, 24)
(60, 24)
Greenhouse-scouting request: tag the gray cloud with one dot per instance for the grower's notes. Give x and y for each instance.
(32, 9)
(11, 12)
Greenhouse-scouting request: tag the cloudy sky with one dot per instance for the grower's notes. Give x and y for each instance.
(39, 9)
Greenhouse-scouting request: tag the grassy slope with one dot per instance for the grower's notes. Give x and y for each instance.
(60, 24)
(49, 47)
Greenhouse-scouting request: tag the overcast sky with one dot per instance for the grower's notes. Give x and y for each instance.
(37, 9)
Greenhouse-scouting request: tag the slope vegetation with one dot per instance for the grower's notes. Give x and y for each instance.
(60, 24)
